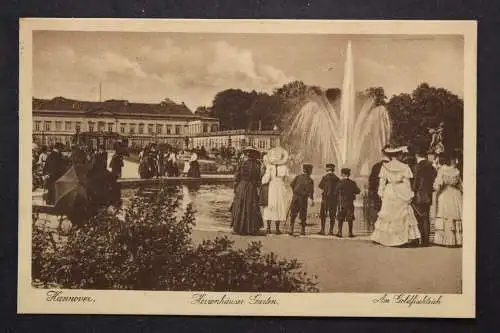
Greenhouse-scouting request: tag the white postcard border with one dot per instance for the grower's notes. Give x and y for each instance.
(32, 300)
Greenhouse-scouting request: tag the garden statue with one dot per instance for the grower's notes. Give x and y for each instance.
(436, 145)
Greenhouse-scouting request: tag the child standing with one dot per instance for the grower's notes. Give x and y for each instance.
(303, 188)
(328, 200)
(345, 193)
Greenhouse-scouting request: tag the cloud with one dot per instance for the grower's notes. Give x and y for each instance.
(153, 71)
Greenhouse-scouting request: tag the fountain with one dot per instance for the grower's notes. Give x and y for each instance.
(350, 134)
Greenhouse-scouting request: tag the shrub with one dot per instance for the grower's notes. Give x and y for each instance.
(150, 248)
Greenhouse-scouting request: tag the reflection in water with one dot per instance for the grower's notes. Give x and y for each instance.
(212, 202)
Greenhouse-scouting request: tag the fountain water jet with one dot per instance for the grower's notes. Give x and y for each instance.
(351, 134)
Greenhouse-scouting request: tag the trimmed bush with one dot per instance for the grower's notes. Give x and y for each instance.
(151, 249)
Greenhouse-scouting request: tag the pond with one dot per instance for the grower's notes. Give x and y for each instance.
(212, 202)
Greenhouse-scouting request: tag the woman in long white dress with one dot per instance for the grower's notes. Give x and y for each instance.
(448, 216)
(279, 192)
(396, 224)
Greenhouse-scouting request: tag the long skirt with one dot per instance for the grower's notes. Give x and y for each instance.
(246, 216)
(448, 220)
(278, 202)
(396, 224)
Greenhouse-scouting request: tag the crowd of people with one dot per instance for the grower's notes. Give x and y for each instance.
(90, 170)
(405, 198)
(154, 162)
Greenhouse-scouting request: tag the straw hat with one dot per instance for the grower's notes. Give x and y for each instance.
(277, 156)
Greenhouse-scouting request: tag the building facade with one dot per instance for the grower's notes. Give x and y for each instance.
(59, 119)
(238, 139)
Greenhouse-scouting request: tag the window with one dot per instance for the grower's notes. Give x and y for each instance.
(110, 127)
(91, 126)
(150, 128)
(58, 125)
(78, 126)
(122, 128)
(38, 125)
(159, 128)
(132, 128)
(214, 128)
(169, 129)
(47, 125)
(205, 128)
(141, 128)
(101, 126)
(177, 129)
(67, 126)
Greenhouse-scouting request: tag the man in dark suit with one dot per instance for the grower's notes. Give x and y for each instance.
(328, 200)
(55, 166)
(423, 181)
(303, 189)
(101, 158)
(373, 184)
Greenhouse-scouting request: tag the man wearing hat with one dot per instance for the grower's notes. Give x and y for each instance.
(346, 192)
(303, 188)
(55, 166)
(373, 184)
(328, 200)
(423, 181)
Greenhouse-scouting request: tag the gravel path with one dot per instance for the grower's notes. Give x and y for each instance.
(358, 265)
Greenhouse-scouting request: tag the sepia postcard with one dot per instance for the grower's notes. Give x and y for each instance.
(247, 167)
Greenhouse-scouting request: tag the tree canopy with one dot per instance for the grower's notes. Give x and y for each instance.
(412, 113)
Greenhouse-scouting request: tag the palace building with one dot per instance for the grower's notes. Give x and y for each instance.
(59, 119)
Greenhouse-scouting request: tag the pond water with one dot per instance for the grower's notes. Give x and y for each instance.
(212, 202)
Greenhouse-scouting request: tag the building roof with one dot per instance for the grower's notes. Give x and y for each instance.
(119, 107)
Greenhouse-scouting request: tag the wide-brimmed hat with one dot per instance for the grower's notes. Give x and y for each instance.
(395, 150)
(251, 151)
(277, 156)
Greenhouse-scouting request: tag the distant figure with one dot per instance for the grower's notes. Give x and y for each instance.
(186, 158)
(246, 216)
(116, 165)
(328, 199)
(279, 194)
(448, 216)
(42, 158)
(78, 155)
(423, 181)
(172, 169)
(396, 224)
(303, 189)
(346, 192)
(101, 157)
(194, 167)
(55, 167)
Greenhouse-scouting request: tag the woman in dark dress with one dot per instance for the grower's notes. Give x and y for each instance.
(246, 216)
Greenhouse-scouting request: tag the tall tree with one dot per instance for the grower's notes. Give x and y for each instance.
(265, 112)
(427, 107)
(204, 111)
(230, 106)
(377, 94)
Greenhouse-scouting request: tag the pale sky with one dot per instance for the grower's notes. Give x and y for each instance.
(192, 68)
